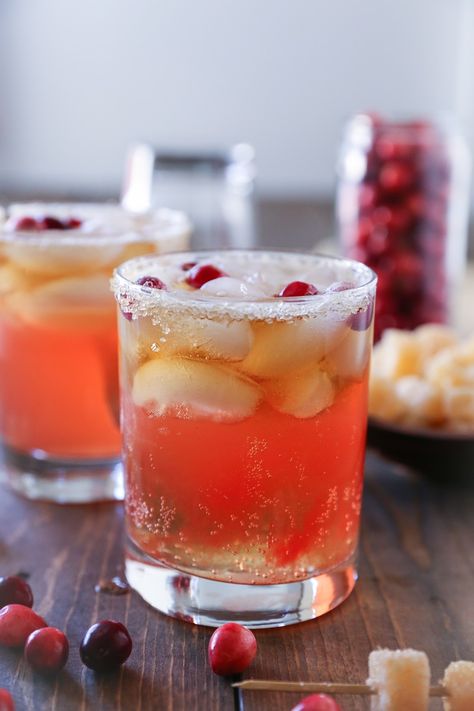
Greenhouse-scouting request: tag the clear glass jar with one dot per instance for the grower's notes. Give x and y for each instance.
(402, 209)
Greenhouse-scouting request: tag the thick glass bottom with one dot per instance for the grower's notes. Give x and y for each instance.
(66, 481)
(212, 603)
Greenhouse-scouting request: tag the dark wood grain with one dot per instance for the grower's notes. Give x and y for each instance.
(415, 589)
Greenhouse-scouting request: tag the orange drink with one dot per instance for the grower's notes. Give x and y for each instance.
(244, 398)
(59, 405)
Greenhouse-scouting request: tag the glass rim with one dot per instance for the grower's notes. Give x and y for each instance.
(121, 280)
(147, 227)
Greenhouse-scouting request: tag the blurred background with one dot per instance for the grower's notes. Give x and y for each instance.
(82, 81)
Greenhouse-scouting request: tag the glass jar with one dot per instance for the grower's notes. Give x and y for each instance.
(402, 209)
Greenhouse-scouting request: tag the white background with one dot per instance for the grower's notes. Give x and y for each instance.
(80, 80)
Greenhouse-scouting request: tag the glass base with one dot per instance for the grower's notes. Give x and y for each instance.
(212, 603)
(64, 481)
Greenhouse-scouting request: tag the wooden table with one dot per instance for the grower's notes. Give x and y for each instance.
(415, 589)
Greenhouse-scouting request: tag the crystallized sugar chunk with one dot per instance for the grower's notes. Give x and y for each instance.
(401, 679)
(459, 682)
(186, 389)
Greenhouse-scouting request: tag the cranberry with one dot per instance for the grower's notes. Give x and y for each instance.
(299, 288)
(127, 314)
(395, 177)
(106, 645)
(6, 701)
(232, 649)
(26, 224)
(47, 650)
(73, 223)
(202, 273)
(317, 702)
(367, 196)
(151, 282)
(15, 590)
(52, 223)
(17, 622)
(187, 266)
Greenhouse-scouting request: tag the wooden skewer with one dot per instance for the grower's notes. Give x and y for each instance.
(320, 687)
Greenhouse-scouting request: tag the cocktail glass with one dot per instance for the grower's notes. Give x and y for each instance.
(244, 424)
(59, 403)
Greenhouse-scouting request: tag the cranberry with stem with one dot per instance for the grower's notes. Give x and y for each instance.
(317, 702)
(6, 701)
(15, 590)
(106, 645)
(299, 288)
(232, 648)
(202, 273)
(151, 282)
(17, 622)
(47, 650)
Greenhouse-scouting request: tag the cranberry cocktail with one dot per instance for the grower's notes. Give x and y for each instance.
(58, 344)
(244, 385)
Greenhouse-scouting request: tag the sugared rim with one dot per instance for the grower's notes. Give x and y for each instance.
(199, 296)
(158, 224)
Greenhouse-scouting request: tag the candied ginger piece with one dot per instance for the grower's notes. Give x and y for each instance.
(396, 355)
(458, 680)
(186, 389)
(422, 401)
(401, 679)
(72, 303)
(453, 366)
(283, 347)
(383, 399)
(302, 395)
(434, 337)
(459, 407)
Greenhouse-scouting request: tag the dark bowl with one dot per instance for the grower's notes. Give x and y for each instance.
(444, 456)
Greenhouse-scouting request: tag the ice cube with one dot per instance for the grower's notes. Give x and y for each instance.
(459, 681)
(13, 279)
(280, 348)
(350, 357)
(186, 388)
(72, 303)
(302, 395)
(62, 259)
(400, 678)
(197, 337)
(232, 288)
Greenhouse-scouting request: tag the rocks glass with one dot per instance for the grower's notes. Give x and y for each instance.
(59, 405)
(244, 423)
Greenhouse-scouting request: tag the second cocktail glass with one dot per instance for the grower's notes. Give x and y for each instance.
(59, 404)
(244, 399)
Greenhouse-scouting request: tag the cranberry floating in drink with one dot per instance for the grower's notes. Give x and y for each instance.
(402, 210)
(244, 404)
(59, 430)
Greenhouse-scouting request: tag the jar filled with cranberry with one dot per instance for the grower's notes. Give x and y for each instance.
(402, 209)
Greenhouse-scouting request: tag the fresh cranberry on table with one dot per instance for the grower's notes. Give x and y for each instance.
(17, 622)
(232, 648)
(317, 702)
(6, 701)
(26, 224)
(106, 645)
(151, 282)
(47, 650)
(299, 288)
(15, 590)
(202, 273)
